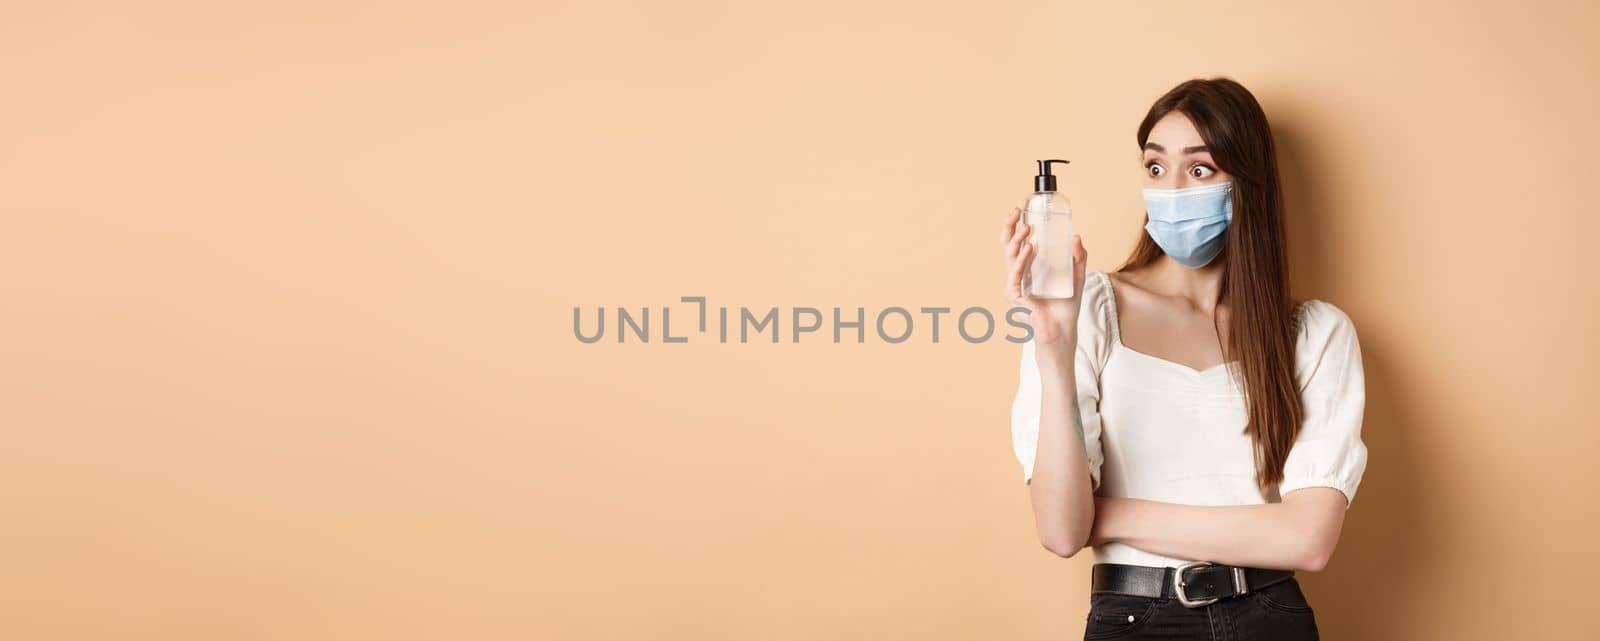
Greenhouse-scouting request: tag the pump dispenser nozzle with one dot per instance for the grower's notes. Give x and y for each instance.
(1046, 181)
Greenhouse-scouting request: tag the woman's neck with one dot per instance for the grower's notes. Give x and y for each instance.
(1200, 286)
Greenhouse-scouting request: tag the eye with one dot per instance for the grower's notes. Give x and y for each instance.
(1202, 171)
(1154, 169)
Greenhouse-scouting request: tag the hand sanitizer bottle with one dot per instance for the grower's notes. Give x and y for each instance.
(1050, 216)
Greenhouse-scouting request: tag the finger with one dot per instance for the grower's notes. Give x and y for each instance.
(1014, 274)
(1018, 240)
(1020, 264)
(1080, 259)
(1011, 225)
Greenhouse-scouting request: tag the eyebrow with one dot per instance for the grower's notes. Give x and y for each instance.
(1188, 150)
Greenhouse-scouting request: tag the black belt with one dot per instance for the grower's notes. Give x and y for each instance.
(1202, 582)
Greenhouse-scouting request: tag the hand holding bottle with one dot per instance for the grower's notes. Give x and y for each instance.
(1054, 320)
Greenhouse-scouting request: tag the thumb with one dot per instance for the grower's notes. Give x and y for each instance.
(1080, 258)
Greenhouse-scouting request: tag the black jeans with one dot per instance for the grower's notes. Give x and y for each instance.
(1278, 612)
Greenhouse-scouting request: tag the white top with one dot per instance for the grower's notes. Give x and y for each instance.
(1155, 429)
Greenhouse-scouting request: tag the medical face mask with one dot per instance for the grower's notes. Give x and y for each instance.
(1190, 224)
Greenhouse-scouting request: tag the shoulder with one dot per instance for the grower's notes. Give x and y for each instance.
(1316, 320)
(1097, 301)
(1096, 286)
(1097, 311)
(1325, 337)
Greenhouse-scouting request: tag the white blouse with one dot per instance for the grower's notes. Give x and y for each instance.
(1155, 429)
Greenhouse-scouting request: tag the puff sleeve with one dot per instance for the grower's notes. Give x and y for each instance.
(1329, 451)
(1093, 348)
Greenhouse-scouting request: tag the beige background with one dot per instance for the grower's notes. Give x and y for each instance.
(287, 332)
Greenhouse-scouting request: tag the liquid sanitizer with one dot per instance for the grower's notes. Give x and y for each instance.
(1050, 216)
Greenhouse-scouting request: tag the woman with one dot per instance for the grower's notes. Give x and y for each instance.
(1181, 415)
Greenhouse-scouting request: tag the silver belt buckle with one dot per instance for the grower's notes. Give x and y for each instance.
(1178, 584)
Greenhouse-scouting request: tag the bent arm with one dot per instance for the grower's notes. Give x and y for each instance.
(1297, 534)
(1061, 488)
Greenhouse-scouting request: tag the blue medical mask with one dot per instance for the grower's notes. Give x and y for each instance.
(1190, 224)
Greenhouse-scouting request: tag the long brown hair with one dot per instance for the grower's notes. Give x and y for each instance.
(1255, 280)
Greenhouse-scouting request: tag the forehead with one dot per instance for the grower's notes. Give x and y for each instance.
(1175, 131)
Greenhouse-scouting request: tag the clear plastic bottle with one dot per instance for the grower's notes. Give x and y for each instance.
(1050, 216)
